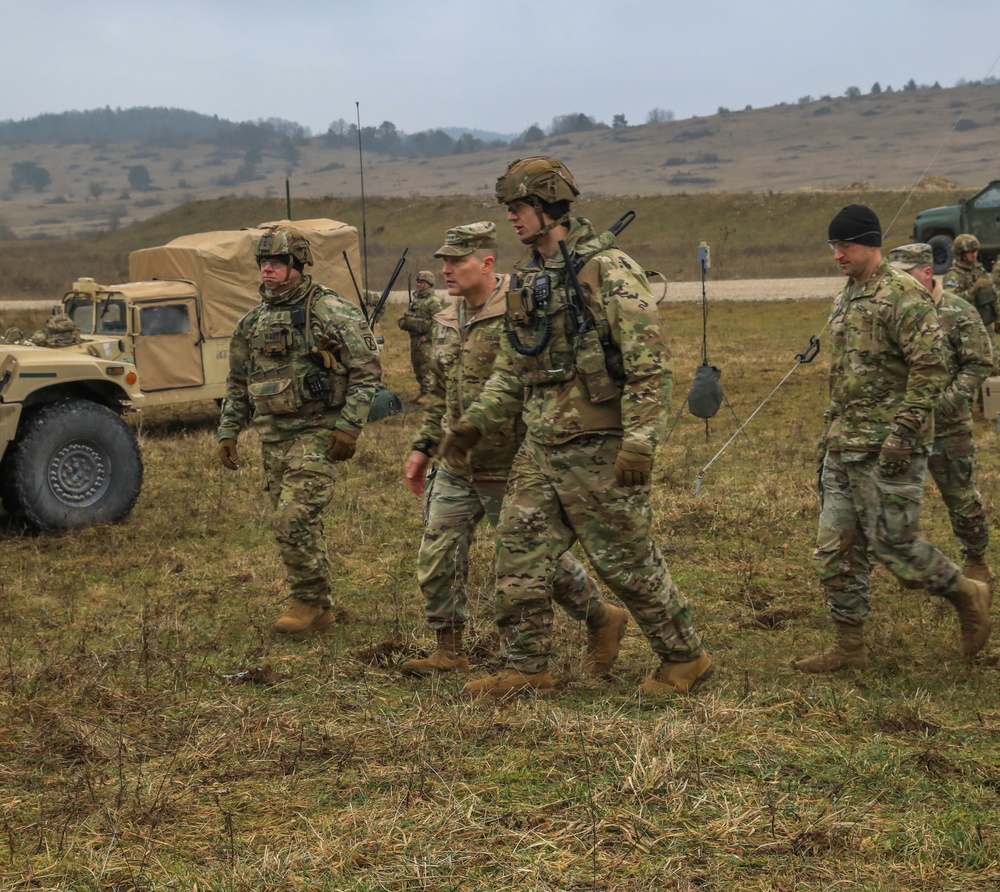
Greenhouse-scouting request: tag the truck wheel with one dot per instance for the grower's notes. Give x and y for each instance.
(75, 463)
(7, 495)
(941, 247)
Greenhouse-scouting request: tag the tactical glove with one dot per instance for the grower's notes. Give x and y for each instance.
(633, 468)
(342, 445)
(228, 455)
(455, 446)
(894, 458)
(325, 353)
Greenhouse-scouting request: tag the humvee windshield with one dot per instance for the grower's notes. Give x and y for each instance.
(110, 314)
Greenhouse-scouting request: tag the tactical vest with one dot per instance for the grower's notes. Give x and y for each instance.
(557, 335)
(285, 378)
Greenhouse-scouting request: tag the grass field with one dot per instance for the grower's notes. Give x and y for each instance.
(138, 757)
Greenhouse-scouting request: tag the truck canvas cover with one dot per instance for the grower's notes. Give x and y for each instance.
(222, 265)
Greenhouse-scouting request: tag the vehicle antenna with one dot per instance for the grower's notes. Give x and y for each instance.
(364, 225)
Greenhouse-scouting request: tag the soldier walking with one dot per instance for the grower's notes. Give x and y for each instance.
(886, 373)
(591, 371)
(968, 355)
(303, 369)
(465, 342)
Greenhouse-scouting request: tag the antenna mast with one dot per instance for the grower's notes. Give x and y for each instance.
(364, 224)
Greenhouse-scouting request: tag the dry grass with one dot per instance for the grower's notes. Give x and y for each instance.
(137, 757)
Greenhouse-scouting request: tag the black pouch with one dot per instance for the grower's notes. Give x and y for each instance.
(705, 395)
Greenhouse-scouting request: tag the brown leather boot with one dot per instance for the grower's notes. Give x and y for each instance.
(848, 651)
(971, 599)
(605, 630)
(303, 617)
(977, 568)
(678, 678)
(449, 657)
(510, 682)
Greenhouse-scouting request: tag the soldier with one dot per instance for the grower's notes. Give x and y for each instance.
(417, 321)
(591, 371)
(886, 372)
(969, 280)
(952, 463)
(303, 368)
(466, 339)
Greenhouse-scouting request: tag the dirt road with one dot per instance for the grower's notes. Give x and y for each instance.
(677, 292)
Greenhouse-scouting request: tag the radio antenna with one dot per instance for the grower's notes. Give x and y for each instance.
(364, 223)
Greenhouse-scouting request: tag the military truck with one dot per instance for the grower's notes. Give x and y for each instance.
(979, 216)
(67, 457)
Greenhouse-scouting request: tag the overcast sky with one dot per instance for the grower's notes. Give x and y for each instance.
(498, 66)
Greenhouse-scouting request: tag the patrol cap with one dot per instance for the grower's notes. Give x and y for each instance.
(464, 240)
(908, 256)
(425, 275)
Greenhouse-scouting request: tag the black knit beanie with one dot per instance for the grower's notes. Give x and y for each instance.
(856, 223)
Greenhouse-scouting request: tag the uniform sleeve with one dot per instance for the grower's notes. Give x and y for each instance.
(357, 355)
(974, 356)
(432, 428)
(502, 396)
(921, 340)
(236, 407)
(637, 329)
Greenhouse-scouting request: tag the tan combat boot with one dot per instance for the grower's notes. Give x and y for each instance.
(971, 599)
(605, 630)
(303, 617)
(509, 682)
(678, 678)
(449, 657)
(977, 568)
(848, 651)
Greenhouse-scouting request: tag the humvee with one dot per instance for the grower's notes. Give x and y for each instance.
(67, 457)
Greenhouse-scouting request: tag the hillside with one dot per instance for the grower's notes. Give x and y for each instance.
(887, 141)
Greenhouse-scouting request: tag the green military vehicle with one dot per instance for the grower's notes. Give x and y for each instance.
(67, 456)
(979, 216)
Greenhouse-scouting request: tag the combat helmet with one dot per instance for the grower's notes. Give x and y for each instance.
(286, 240)
(964, 243)
(539, 178)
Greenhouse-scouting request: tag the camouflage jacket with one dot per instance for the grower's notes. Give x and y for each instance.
(274, 381)
(613, 378)
(887, 366)
(462, 361)
(968, 354)
(418, 319)
(962, 280)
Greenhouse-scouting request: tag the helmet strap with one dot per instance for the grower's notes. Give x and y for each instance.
(545, 227)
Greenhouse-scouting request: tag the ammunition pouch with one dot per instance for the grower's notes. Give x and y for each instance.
(274, 392)
(985, 299)
(592, 366)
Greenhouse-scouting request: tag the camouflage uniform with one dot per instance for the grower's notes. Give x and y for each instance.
(418, 320)
(294, 405)
(581, 407)
(969, 357)
(966, 281)
(457, 498)
(887, 370)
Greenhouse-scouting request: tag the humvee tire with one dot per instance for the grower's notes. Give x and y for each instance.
(74, 463)
(941, 248)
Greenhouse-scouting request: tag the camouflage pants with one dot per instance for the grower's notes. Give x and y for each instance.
(298, 477)
(558, 495)
(453, 508)
(866, 516)
(953, 466)
(420, 359)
